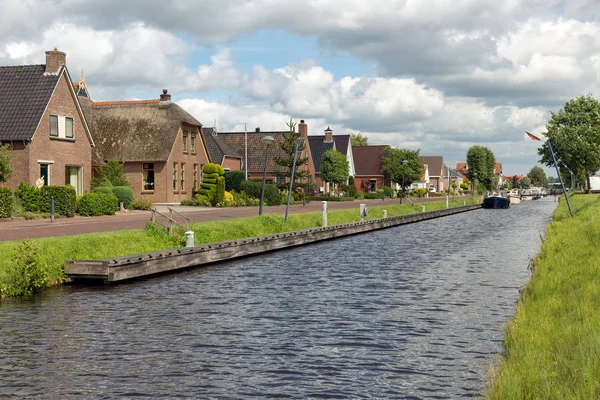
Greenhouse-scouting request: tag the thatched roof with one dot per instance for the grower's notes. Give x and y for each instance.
(137, 130)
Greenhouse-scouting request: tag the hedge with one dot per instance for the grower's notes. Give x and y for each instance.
(331, 198)
(374, 195)
(29, 197)
(212, 168)
(219, 192)
(233, 180)
(96, 203)
(253, 189)
(64, 199)
(6, 202)
(124, 195)
(104, 189)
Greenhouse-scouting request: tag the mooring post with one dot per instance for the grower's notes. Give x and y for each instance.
(422, 208)
(384, 213)
(464, 203)
(447, 201)
(189, 239)
(52, 209)
(362, 212)
(324, 212)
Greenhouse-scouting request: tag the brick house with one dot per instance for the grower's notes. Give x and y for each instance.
(435, 167)
(220, 152)
(319, 144)
(368, 161)
(257, 148)
(42, 119)
(158, 142)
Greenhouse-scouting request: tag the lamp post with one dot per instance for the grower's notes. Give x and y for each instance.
(269, 140)
(287, 206)
(404, 162)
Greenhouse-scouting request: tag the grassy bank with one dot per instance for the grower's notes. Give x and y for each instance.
(552, 345)
(38, 263)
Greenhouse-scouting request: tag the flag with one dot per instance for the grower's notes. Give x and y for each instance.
(532, 136)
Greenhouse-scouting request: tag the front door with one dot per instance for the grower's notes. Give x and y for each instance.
(73, 177)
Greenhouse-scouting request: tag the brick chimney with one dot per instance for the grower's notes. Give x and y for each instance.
(257, 130)
(302, 129)
(165, 96)
(328, 135)
(54, 60)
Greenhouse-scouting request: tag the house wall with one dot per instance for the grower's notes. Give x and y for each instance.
(63, 152)
(20, 165)
(362, 182)
(134, 174)
(233, 163)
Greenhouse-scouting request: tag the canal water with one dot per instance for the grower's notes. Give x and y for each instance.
(413, 312)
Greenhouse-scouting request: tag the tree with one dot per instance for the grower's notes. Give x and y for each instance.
(111, 174)
(334, 167)
(287, 159)
(356, 139)
(537, 176)
(6, 169)
(525, 183)
(398, 172)
(574, 133)
(482, 166)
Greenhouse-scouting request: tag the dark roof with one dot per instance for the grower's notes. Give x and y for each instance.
(26, 91)
(341, 143)
(318, 147)
(435, 164)
(216, 146)
(453, 173)
(368, 160)
(136, 130)
(256, 148)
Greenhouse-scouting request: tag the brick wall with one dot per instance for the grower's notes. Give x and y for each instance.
(20, 165)
(362, 182)
(234, 164)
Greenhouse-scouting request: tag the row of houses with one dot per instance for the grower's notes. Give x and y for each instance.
(59, 134)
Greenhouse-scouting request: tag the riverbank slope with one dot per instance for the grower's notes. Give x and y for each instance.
(552, 344)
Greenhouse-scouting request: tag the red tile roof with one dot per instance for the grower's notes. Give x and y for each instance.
(498, 168)
(125, 102)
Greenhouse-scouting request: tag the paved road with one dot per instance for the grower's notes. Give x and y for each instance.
(18, 230)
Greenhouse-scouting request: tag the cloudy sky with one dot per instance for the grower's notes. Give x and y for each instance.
(434, 75)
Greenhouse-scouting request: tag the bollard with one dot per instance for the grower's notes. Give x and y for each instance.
(384, 213)
(422, 208)
(446, 201)
(324, 212)
(189, 239)
(52, 209)
(464, 203)
(362, 212)
(121, 206)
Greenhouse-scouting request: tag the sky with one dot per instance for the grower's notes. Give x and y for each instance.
(439, 76)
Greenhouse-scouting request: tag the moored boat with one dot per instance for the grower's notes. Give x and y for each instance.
(496, 202)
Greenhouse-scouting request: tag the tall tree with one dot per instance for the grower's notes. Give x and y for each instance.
(537, 176)
(334, 167)
(6, 169)
(111, 174)
(356, 139)
(574, 132)
(481, 166)
(397, 171)
(287, 159)
(525, 183)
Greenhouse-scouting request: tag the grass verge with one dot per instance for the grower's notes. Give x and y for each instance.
(552, 344)
(27, 266)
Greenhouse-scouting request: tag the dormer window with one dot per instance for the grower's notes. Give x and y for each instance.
(185, 137)
(193, 143)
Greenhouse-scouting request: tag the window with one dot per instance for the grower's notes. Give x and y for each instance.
(45, 173)
(175, 177)
(185, 135)
(182, 177)
(195, 184)
(54, 125)
(281, 180)
(69, 128)
(193, 143)
(148, 172)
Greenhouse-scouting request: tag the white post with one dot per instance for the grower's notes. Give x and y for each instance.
(189, 239)
(464, 203)
(384, 213)
(362, 212)
(447, 201)
(246, 150)
(422, 208)
(324, 212)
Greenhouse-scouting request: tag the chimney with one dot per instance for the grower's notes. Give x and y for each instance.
(165, 96)
(328, 135)
(54, 60)
(257, 130)
(302, 129)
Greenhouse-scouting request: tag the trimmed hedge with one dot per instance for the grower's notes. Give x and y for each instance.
(350, 190)
(388, 191)
(104, 189)
(233, 180)
(124, 195)
(29, 197)
(331, 198)
(219, 192)
(65, 201)
(6, 202)
(212, 168)
(253, 189)
(374, 195)
(96, 203)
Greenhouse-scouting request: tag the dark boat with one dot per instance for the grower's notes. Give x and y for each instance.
(496, 202)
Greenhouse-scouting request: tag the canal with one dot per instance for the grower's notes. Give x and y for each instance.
(415, 311)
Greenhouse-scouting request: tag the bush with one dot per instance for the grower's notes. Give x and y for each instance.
(374, 195)
(7, 202)
(212, 168)
(104, 189)
(141, 203)
(331, 198)
(233, 180)
(464, 186)
(124, 194)
(253, 189)
(29, 197)
(241, 199)
(219, 198)
(27, 274)
(95, 204)
(388, 191)
(111, 174)
(65, 199)
(350, 190)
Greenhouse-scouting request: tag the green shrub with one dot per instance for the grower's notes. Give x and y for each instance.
(420, 192)
(464, 186)
(253, 189)
(104, 189)
(331, 198)
(350, 190)
(111, 174)
(27, 273)
(241, 199)
(212, 168)
(29, 197)
(124, 194)
(388, 191)
(233, 180)
(65, 199)
(95, 204)
(373, 195)
(141, 203)
(219, 198)
(7, 202)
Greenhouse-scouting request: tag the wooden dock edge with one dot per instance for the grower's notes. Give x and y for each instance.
(117, 269)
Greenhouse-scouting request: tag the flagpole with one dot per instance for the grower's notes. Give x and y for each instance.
(559, 176)
(246, 150)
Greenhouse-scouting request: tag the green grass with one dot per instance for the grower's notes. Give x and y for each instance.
(54, 251)
(552, 344)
